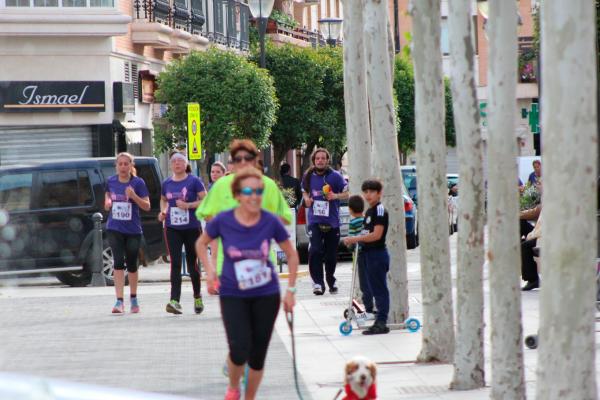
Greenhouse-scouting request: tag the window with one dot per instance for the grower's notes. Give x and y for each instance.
(102, 3)
(73, 3)
(45, 3)
(17, 3)
(196, 5)
(15, 192)
(65, 189)
(181, 4)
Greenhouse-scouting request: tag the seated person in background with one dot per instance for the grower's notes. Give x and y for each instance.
(529, 270)
(525, 216)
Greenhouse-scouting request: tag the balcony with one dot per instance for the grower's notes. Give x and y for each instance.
(281, 34)
(61, 21)
(165, 27)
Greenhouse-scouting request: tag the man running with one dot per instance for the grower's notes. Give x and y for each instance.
(323, 188)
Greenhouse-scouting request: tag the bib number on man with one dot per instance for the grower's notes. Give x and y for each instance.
(251, 274)
(179, 216)
(121, 211)
(321, 208)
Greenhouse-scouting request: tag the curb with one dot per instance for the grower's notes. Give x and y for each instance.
(282, 275)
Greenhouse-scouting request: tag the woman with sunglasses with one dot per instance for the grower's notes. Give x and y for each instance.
(248, 285)
(220, 198)
(181, 194)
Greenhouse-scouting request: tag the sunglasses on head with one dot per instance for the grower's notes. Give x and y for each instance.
(247, 191)
(248, 157)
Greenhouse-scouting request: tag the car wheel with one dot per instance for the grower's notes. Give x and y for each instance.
(411, 241)
(84, 277)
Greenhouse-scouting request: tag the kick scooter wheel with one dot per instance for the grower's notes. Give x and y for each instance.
(531, 341)
(412, 324)
(345, 328)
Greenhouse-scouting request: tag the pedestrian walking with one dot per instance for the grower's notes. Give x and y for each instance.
(180, 196)
(248, 285)
(323, 188)
(376, 256)
(217, 170)
(220, 198)
(125, 195)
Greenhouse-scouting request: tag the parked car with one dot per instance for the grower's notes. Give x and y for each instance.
(49, 205)
(409, 177)
(452, 179)
(302, 241)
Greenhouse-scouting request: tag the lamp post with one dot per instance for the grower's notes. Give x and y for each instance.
(331, 28)
(261, 9)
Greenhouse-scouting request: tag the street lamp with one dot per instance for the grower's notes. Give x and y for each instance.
(331, 28)
(261, 9)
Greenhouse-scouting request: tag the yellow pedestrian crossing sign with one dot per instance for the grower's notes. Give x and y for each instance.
(194, 135)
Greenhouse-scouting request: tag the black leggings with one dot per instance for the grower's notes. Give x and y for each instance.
(125, 249)
(176, 238)
(249, 323)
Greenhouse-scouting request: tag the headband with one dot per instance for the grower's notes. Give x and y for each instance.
(178, 156)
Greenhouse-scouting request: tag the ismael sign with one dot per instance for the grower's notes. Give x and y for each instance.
(28, 96)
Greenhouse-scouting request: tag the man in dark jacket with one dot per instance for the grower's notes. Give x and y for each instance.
(289, 182)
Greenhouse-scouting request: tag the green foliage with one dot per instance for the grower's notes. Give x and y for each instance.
(237, 100)
(530, 197)
(404, 88)
(309, 86)
(330, 128)
(283, 19)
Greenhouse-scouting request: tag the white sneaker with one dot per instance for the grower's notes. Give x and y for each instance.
(317, 289)
(366, 316)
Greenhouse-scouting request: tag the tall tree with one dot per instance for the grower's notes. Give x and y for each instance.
(438, 321)
(468, 355)
(237, 100)
(503, 205)
(566, 364)
(385, 158)
(298, 79)
(358, 130)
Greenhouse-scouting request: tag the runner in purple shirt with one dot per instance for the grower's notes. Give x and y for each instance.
(249, 287)
(181, 195)
(323, 188)
(125, 195)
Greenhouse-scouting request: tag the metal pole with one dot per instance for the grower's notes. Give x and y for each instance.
(97, 277)
(262, 29)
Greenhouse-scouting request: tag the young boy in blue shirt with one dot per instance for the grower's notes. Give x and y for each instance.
(376, 256)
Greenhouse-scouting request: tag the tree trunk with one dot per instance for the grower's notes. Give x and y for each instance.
(504, 247)
(438, 321)
(386, 159)
(358, 131)
(468, 355)
(566, 366)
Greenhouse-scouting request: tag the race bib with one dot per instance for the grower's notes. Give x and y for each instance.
(251, 274)
(179, 216)
(321, 208)
(121, 211)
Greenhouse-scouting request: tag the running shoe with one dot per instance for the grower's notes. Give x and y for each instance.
(174, 307)
(378, 328)
(118, 308)
(333, 290)
(135, 307)
(232, 394)
(317, 289)
(198, 305)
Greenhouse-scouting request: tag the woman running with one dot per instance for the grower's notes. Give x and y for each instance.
(181, 194)
(125, 195)
(248, 285)
(217, 170)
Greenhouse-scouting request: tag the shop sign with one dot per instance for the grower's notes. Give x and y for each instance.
(34, 96)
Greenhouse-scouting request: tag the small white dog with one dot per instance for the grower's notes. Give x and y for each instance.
(360, 383)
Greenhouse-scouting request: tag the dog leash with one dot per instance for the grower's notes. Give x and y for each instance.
(289, 316)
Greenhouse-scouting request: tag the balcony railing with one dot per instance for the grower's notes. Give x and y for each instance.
(528, 63)
(174, 16)
(310, 37)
